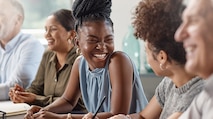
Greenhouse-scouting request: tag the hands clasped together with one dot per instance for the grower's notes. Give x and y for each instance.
(19, 95)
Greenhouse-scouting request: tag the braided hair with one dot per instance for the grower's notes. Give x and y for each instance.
(91, 10)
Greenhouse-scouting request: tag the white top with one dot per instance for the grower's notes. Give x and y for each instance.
(202, 105)
(19, 62)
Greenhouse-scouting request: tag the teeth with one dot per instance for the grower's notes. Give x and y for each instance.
(100, 55)
(49, 41)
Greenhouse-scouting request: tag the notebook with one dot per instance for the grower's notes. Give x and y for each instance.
(12, 109)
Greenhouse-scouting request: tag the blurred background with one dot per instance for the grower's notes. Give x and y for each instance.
(36, 12)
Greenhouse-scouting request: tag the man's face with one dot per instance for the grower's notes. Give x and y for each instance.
(8, 20)
(196, 34)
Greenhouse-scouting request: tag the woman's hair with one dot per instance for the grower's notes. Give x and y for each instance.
(156, 21)
(65, 18)
(91, 10)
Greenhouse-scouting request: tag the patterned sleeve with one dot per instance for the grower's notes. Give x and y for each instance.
(160, 92)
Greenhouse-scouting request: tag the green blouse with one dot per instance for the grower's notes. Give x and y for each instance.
(49, 84)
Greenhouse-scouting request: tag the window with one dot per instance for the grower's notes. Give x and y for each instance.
(36, 12)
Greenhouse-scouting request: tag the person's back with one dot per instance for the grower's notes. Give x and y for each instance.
(20, 54)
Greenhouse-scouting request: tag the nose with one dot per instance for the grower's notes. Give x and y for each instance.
(101, 46)
(47, 33)
(181, 33)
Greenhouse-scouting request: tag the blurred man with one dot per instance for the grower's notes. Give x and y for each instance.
(196, 34)
(20, 54)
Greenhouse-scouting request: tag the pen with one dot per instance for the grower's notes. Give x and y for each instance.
(99, 107)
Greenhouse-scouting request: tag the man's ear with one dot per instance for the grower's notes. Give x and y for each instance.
(19, 20)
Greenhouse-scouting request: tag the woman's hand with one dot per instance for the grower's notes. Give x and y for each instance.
(33, 109)
(120, 116)
(89, 116)
(12, 92)
(44, 114)
(20, 97)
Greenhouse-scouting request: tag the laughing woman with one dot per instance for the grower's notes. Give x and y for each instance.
(100, 71)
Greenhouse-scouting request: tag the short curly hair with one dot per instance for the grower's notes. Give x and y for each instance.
(156, 21)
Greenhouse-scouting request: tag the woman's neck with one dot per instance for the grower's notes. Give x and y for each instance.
(180, 77)
(61, 58)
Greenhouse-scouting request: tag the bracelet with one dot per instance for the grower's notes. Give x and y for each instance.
(69, 116)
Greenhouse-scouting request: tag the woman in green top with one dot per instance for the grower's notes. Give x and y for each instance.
(56, 64)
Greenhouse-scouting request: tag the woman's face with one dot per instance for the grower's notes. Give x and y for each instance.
(56, 35)
(96, 42)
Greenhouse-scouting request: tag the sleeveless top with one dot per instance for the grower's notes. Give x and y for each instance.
(96, 84)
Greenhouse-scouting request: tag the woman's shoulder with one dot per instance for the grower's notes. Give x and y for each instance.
(120, 58)
(166, 83)
(78, 59)
(119, 55)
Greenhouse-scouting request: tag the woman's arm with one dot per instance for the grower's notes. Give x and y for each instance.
(121, 75)
(175, 115)
(121, 78)
(152, 110)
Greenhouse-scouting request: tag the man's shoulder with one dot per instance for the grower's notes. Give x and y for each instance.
(208, 86)
(28, 41)
(28, 38)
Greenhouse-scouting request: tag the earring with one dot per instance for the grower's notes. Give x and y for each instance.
(69, 41)
(162, 67)
(78, 51)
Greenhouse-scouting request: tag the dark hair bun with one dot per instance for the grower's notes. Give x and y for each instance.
(84, 8)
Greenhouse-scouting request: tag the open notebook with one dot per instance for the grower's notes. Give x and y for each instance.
(12, 109)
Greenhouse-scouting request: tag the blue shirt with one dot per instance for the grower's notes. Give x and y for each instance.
(96, 84)
(19, 62)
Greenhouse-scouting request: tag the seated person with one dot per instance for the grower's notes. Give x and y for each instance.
(20, 53)
(99, 72)
(54, 70)
(156, 21)
(196, 34)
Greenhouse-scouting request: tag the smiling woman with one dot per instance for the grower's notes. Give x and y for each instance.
(100, 71)
(35, 15)
(37, 10)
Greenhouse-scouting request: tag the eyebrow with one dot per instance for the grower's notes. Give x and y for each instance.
(97, 37)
